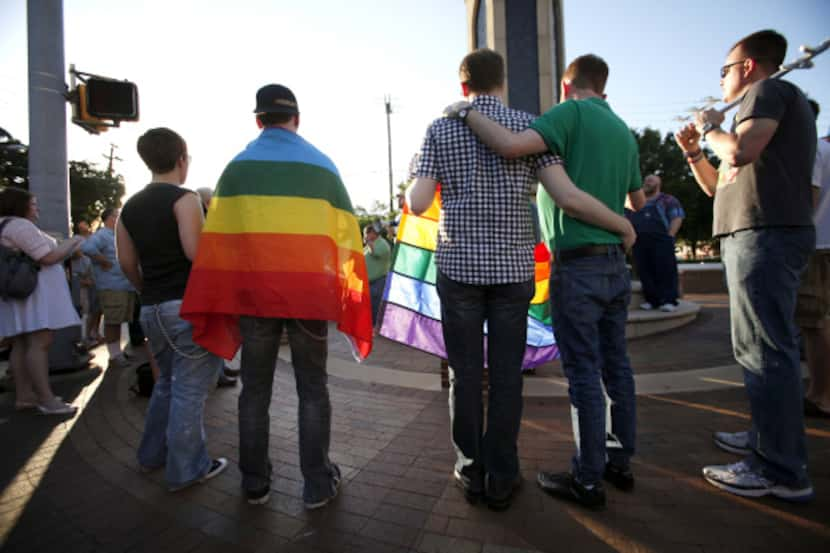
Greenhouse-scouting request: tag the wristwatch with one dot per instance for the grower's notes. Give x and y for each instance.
(708, 127)
(463, 113)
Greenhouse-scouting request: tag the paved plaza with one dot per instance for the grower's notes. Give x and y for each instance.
(73, 485)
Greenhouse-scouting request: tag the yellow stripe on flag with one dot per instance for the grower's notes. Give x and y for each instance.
(418, 231)
(283, 215)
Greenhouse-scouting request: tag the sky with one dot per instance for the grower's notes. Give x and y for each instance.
(198, 64)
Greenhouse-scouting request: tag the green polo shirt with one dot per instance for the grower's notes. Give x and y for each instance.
(601, 157)
(377, 263)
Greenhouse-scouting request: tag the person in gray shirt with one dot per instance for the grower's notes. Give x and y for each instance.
(763, 217)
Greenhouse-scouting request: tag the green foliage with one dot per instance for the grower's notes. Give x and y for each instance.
(14, 161)
(92, 190)
(664, 158)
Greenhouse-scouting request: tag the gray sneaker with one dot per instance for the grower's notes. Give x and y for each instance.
(741, 479)
(733, 442)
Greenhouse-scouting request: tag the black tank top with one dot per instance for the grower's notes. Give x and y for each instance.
(149, 219)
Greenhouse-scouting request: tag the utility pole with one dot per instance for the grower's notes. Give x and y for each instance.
(387, 100)
(48, 168)
(48, 174)
(111, 157)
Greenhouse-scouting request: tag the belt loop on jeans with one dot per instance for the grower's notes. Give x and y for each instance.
(592, 250)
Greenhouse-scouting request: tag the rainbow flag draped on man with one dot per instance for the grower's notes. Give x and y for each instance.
(411, 309)
(281, 240)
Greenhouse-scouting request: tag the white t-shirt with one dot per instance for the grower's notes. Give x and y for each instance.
(821, 179)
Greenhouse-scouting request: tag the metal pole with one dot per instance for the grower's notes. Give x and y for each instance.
(48, 174)
(388, 101)
(48, 170)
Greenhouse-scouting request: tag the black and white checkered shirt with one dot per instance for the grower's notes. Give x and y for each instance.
(485, 233)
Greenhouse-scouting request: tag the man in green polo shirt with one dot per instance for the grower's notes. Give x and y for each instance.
(378, 256)
(590, 285)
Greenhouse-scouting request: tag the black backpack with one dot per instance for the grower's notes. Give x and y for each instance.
(18, 272)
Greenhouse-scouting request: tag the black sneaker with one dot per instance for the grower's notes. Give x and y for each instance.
(564, 486)
(216, 467)
(336, 479)
(472, 486)
(500, 493)
(225, 381)
(258, 497)
(622, 479)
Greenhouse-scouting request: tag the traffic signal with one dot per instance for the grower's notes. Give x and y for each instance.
(100, 102)
(116, 100)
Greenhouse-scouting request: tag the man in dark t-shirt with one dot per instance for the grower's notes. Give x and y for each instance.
(762, 215)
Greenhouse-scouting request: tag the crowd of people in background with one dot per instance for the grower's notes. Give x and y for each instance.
(486, 158)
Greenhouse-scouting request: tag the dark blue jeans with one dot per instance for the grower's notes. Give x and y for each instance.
(376, 296)
(309, 349)
(590, 298)
(464, 309)
(763, 271)
(656, 267)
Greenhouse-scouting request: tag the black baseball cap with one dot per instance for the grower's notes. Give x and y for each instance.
(275, 98)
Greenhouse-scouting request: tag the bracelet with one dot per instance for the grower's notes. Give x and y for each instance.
(694, 159)
(690, 155)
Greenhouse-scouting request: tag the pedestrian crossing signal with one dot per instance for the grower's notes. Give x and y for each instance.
(99, 103)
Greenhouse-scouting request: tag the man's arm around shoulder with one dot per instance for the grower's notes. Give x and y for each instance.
(503, 141)
(581, 205)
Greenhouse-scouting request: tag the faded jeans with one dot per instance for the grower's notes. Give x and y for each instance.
(763, 271)
(174, 432)
(309, 349)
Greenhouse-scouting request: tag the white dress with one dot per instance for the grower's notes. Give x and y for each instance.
(50, 305)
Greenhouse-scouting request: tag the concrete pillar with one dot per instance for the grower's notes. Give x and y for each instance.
(528, 33)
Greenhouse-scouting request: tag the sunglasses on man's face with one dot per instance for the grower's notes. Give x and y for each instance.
(724, 71)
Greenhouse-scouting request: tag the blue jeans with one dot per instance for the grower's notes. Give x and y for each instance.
(174, 432)
(464, 308)
(656, 267)
(590, 298)
(376, 296)
(309, 349)
(763, 272)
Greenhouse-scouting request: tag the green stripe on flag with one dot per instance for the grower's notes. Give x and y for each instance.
(540, 312)
(283, 178)
(415, 263)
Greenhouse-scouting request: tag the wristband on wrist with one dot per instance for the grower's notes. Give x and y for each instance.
(695, 158)
(690, 155)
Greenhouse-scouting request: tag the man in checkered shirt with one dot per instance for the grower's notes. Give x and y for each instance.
(486, 272)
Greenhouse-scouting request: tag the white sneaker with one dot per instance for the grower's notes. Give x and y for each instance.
(668, 308)
(733, 442)
(645, 306)
(57, 407)
(741, 479)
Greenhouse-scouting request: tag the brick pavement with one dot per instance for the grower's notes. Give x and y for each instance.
(73, 485)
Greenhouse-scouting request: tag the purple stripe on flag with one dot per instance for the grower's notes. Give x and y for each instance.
(413, 329)
(423, 333)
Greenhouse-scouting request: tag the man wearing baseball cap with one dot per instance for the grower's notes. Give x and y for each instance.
(281, 250)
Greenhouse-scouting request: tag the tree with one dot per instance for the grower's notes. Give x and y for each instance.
(665, 158)
(14, 161)
(92, 190)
